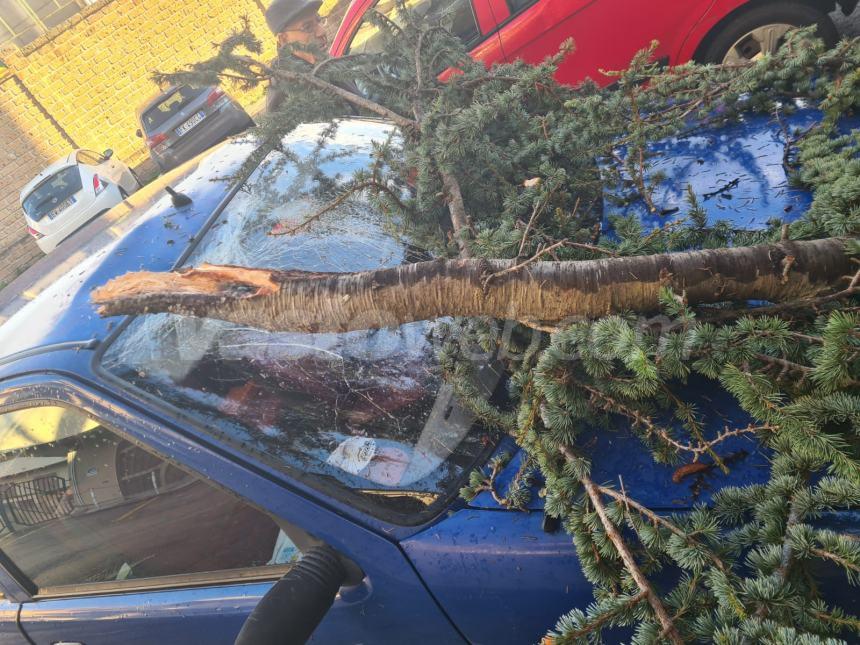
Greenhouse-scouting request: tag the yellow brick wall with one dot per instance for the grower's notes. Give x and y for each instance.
(89, 75)
(28, 142)
(92, 75)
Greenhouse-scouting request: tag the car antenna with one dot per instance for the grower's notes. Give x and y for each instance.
(179, 199)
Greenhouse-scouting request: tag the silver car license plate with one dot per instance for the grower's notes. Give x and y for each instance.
(59, 209)
(190, 123)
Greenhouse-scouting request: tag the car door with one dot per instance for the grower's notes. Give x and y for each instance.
(606, 33)
(112, 540)
(98, 527)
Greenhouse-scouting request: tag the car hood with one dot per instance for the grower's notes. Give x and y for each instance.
(620, 459)
(738, 173)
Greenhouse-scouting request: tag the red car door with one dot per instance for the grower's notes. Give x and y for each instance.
(606, 33)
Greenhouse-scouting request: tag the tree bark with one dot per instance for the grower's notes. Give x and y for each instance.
(541, 291)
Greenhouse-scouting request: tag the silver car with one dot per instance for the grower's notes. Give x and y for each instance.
(184, 121)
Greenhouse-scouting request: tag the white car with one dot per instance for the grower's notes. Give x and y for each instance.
(72, 191)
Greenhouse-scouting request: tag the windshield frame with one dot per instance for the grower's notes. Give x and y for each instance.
(317, 482)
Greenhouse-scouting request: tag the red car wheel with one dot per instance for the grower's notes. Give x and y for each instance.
(750, 33)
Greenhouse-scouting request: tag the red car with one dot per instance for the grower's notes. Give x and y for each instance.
(607, 33)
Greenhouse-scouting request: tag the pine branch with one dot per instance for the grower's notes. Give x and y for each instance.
(592, 248)
(795, 515)
(806, 307)
(308, 78)
(697, 450)
(827, 555)
(662, 521)
(457, 210)
(489, 485)
(517, 267)
(627, 557)
(842, 621)
(598, 623)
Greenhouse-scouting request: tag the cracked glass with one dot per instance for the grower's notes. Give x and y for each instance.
(363, 413)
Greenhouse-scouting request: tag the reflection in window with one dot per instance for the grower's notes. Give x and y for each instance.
(79, 504)
(518, 5)
(364, 410)
(457, 17)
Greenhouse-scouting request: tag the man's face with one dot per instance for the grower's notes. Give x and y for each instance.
(306, 28)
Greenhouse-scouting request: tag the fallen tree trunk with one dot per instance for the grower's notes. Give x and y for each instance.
(538, 291)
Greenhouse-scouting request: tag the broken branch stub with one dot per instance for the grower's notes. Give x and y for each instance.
(546, 291)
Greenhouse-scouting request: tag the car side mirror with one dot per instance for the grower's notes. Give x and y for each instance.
(107, 154)
(138, 134)
(295, 605)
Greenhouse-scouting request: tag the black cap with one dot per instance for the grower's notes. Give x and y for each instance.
(281, 12)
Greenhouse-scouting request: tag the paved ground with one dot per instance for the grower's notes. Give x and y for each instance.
(27, 285)
(67, 255)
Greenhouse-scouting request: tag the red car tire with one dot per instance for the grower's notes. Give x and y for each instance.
(736, 35)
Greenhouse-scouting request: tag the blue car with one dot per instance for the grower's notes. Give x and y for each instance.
(159, 474)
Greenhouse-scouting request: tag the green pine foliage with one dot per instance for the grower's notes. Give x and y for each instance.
(533, 159)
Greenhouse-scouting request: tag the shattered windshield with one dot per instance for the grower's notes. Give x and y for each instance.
(363, 410)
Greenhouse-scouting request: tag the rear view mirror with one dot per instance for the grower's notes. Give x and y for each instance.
(291, 610)
(107, 154)
(138, 133)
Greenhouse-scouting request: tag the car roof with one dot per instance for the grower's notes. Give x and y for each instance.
(59, 164)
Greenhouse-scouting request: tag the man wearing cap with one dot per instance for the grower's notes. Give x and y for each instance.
(295, 22)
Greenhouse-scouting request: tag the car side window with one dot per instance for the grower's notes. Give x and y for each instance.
(80, 504)
(457, 17)
(518, 5)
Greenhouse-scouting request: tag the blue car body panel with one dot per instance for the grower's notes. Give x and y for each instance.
(475, 572)
(736, 173)
(613, 454)
(501, 578)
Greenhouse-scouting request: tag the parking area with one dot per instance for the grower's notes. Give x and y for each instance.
(101, 230)
(63, 259)
(74, 249)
